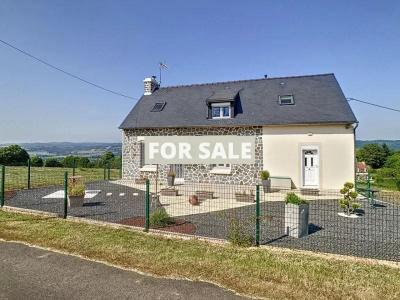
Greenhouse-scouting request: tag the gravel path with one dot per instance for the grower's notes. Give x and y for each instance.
(376, 234)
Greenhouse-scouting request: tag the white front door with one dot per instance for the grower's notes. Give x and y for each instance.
(310, 168)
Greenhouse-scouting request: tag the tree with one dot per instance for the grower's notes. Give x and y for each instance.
(84, 162)
(106, 159)
(70, 161)
(53, 163)
(36, 161)
(373, 154)
(13, 155)
(386, 149)
(393, 161)
(349, 197)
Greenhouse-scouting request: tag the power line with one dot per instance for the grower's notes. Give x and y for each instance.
(65, 72)
(373, 104)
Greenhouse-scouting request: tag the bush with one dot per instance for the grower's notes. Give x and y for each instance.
(53, 163)
(77, 190)
(264, 175)
(292, 198)
(237, 235)
(13, 155)
(36, 161)
(70, 161)
(160, 218)
(349, 197)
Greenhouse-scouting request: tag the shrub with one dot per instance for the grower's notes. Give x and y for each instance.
(292, 198)
(237, 235)
(77, 190)
(36, 161)
(13, 155)
(264, 175)
(160, 218)
(53, 163)
(349, 197)
(171, 174)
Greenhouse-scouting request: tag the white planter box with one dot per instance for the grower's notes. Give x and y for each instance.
(296, 220)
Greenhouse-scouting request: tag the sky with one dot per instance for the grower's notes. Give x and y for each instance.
(117, 44)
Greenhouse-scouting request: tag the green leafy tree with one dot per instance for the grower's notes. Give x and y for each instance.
(36, 161)
(53, 163)
(349, 197)
(106, 159)
(386, 149)
(393, 161)
(13, 155)
(84, 162)
(70, 161)
(373, 154)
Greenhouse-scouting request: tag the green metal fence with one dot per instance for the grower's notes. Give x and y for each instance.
(242, 214)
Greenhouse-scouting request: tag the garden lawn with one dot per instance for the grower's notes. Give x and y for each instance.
(256, 272)
(17, 177)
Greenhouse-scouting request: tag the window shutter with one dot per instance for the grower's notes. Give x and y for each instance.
(141, 154)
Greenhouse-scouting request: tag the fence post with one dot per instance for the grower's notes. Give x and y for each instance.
(105, 175)
(147, 224)
(73, 167)
(2, 185)
(29, 174)
(65, 195)
(109, 172)
(257, 215)
(369, 186)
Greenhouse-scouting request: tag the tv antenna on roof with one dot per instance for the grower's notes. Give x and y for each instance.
(162, 66)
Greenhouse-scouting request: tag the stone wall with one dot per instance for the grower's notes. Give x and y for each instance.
(241, 174)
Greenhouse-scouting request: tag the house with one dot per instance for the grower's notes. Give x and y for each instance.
(304, 129)
(361, 167)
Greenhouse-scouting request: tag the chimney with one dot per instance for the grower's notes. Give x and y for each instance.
(150, 85)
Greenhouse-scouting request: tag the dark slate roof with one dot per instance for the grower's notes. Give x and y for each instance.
(318, 99)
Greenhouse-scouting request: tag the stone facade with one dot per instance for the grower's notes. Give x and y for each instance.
(240, 174)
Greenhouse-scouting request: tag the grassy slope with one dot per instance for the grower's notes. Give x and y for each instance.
(16, 177)
(257, 272)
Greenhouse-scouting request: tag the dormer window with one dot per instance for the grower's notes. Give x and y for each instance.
(221, 110)
(286, 100)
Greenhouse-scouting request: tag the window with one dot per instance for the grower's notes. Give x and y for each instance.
(141, 154)
(221, 169)
(142, 165)
(220, 110)
(286, 100)
(159, 106)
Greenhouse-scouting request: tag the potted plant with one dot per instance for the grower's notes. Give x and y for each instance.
(76, 195)
(348, 203)
(171, 178)
(194, 200)
(296, 216)
(266, 181)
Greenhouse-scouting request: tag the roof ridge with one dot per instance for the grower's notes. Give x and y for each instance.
(244, 80)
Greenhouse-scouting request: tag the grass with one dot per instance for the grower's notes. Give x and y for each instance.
(257, 272)
(17, 177)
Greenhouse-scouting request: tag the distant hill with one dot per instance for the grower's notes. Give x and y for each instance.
(392, 144)
(62, 149)
(94, 150)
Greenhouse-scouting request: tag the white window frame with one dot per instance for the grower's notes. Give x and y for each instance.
(145, 168)
(287, 97)
(221, 106)
(223, 169)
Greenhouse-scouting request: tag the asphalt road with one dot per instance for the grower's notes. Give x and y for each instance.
(31, 273)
